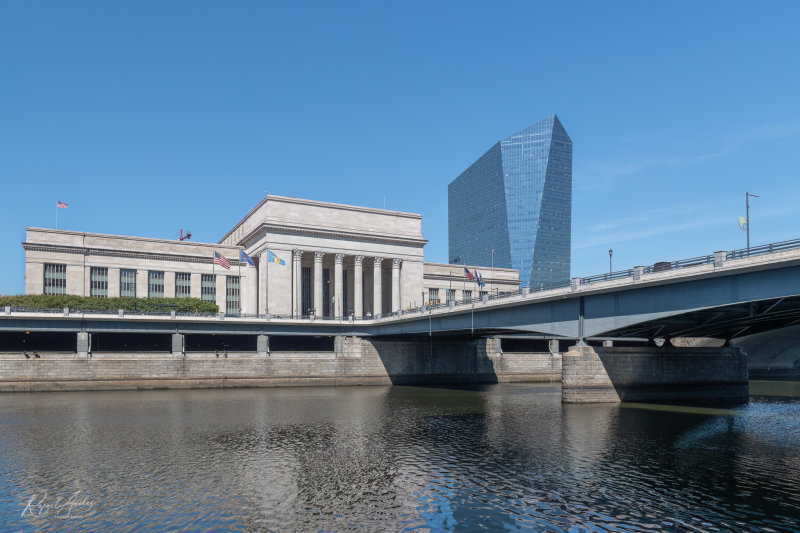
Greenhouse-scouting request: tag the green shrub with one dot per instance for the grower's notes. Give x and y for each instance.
(59, 301)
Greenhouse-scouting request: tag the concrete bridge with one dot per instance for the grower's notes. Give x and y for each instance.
(723, 295)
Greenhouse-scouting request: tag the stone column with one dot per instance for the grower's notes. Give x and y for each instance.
(87, 282)
(141, 283)
(222, 292)
(318, 304)
(338, 302)
(263, 262)
(358, 295)
(297, 256)
(169, 284)
(396, 283)
(113, 282)
(195, 285)
(377, 303)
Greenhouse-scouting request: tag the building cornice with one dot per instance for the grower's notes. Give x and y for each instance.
(460, 278)
(300, 201)
(338, 234)
(173, 242)
(470, 267)
(100, 252)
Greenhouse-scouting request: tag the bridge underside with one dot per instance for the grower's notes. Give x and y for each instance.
(726, 322)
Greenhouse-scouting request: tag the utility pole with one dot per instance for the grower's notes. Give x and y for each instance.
(747, 196)
(610, 253)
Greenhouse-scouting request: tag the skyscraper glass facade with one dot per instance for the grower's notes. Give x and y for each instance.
(515, 202)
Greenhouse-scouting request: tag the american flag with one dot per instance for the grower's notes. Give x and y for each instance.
(62, 205)
(469, 275)
(222, 261)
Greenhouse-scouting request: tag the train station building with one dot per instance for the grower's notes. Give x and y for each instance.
(309, 258)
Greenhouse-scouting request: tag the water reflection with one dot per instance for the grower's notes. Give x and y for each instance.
(501, 457)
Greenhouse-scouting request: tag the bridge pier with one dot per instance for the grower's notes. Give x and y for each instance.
(653, 374)
(178, 344)
(84, 344)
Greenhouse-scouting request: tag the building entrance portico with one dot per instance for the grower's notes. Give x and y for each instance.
(335, 285)
(340, 260)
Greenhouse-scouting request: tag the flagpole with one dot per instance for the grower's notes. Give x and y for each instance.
(56, 213)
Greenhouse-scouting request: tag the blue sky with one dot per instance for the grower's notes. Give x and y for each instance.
(148, 117)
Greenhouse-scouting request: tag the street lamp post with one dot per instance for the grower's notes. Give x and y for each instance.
(610, 253)
(747, 196)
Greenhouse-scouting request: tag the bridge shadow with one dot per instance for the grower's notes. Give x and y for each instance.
(431, 360)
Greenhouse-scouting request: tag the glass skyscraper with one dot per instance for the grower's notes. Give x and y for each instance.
(516, 199)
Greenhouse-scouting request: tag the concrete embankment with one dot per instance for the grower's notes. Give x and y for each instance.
(354, 361)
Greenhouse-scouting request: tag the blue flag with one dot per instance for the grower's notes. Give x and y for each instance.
(272, 258)
(244, 258)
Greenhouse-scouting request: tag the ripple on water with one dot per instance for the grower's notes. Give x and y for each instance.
(504, 457)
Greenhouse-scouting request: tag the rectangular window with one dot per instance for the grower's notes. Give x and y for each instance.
(98, 279)
(467, 296)
(451, 296)
(55, 279)
(208, 288)
(433, 296)
(232, 295)
(484, 293)
(155, 284)
(127, 283)
(183, 285)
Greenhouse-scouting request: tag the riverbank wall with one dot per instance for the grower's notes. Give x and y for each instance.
(353, 361)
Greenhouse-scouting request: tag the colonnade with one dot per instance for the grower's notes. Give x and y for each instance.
(358, 290)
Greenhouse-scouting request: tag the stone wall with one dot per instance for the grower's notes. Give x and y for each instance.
(642, 374)
(355, 361)
(461, 361)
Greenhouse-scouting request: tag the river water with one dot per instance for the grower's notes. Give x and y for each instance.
(495, 458)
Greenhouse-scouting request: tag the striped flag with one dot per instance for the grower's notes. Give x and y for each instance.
(469, 275)
(221, 260)
(62, 205)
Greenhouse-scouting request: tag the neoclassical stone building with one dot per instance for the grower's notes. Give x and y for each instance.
(311, 258)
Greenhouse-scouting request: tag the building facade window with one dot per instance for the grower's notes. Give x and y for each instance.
(155, 284)
(433, 296)
(98, 282)
(183, 285)
(467, 296)
(208, 288)
(451, 296)
(232, 295)
(127, 283)
(55, 279)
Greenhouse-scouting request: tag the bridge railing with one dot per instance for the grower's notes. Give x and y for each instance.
(764, 249)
